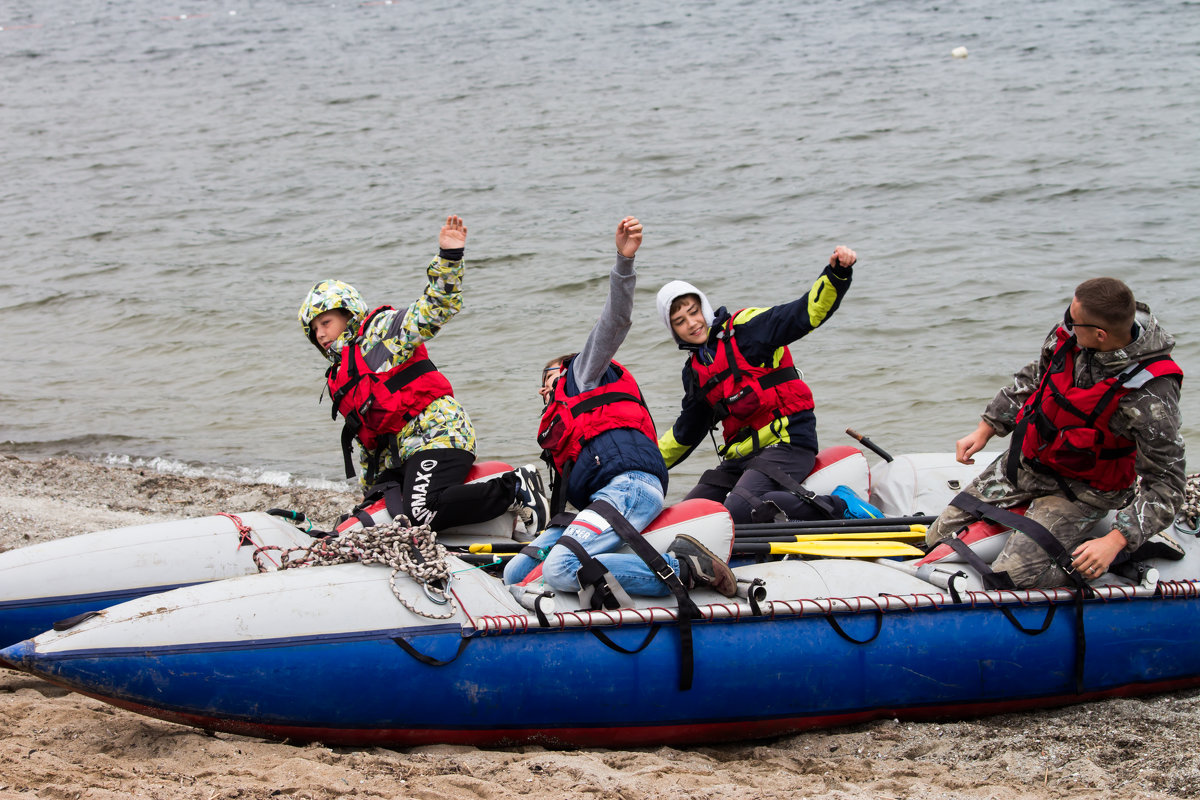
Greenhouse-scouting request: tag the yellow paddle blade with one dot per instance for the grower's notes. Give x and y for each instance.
(834, 548)
(913, 534)
(487, 548)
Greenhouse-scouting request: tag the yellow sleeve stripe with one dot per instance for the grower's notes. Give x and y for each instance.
(821, 298)
(672, 451)
(747, 314)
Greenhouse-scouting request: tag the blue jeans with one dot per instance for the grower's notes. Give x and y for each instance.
(639, 498)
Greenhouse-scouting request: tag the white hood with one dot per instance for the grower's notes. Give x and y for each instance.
(667, 295)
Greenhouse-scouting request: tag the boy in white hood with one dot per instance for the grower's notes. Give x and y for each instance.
(740, 372)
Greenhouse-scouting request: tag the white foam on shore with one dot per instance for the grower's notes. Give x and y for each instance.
(246, 475)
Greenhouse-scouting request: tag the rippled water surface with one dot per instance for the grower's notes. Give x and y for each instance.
(176, 176)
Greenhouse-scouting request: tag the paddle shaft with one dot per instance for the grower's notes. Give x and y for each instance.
(828, 548)
(825, 533)
(904, 534)
(806, 526)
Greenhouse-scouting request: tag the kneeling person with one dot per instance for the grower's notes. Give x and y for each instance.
(601, 440)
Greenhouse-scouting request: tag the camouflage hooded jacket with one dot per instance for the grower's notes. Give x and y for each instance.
(391, 338)
(1148, 416)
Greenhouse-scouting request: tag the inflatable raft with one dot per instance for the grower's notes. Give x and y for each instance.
(350, 654)
(52, 582)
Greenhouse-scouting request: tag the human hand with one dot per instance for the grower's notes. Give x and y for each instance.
(843, 257)
(629, 236)
(973, 442)
(1093, 558)
(454, 234)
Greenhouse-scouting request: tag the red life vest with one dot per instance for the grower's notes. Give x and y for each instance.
(747, 397)
(1064, 429)
(378, 404)
(569, 422)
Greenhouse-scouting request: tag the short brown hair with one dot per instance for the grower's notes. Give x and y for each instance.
(1109, 300)
(555, 361)
(679, 301)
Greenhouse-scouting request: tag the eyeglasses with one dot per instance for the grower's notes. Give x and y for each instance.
(1071, 324)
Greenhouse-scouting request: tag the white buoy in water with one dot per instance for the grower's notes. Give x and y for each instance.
(959, 52)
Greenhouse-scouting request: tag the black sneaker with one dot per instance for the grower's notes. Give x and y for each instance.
(700, 566)
(530, 501)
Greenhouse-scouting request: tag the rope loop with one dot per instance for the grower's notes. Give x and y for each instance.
(412, 550)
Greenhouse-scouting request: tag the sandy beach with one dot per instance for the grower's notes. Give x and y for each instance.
(56, 744)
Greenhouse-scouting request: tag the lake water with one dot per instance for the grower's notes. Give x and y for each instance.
(177, 175)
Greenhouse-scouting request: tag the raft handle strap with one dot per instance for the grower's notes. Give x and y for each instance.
(430, 660)
(1030, 631)
(543, 620)
(614, 646)
(833, 623)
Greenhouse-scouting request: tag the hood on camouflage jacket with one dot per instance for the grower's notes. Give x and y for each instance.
(325, 296)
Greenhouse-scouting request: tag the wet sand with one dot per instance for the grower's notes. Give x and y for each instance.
(57, 744)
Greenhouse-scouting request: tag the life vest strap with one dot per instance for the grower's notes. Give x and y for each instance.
(348, 431)
(781, 375)
(594, 402)
(409, 374)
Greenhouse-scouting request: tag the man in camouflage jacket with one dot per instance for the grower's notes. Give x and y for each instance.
(1148, 416)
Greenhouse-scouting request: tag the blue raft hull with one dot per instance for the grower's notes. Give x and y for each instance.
(753, 676)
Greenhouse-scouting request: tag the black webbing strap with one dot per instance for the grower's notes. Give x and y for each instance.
(776, 473)
(778, 376)
(687, 610)
(430, 660)
(718, 478)
(833, 623)
(731, 354)
(348, 431)
(1057, 361)
(561, 520)
(536, 553)
(760, 510)
(991, 578)
(558, 488)
(392, 495)
(599, 634)
(597, 586)
(1031, 631)
(1053, 547)
(981, 509)
(399, 380)
(594, 402)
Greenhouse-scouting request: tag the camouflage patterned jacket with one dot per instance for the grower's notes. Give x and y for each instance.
(391, 339)
(1148, 416)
